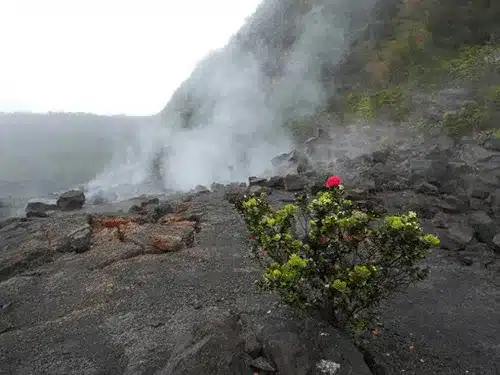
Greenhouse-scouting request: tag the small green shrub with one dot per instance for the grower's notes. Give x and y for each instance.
(305, 127)
(364, 107)
(389, 103)
(345, 262)
(392, 102)
(471, 118)
(472, 63)
(492, 96)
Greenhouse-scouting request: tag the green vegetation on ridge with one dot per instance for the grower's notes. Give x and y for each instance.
(430, 46)
(413, 50)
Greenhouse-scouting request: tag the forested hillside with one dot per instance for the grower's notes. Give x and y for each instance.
(434, 63)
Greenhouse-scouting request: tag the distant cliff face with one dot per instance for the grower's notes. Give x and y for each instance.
(278, 66)
(294, 58)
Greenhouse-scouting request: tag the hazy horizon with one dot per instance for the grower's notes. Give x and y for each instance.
(129, 61)
(106, 58)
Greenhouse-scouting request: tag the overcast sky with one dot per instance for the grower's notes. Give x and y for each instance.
(107, 56)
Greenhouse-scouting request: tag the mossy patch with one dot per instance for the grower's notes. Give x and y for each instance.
(391, 103)
(471, 118)
(410, 62)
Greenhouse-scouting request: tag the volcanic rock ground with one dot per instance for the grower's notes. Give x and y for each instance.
(168, 289)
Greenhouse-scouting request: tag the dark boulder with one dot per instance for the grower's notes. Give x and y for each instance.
(484, 226)
(294, 182)
(102, 197)
(152, 208)
(253, 180)
(40, 207)
(291, 162)
(71, 200)
(456, 237)
(493, 143)
(496, 243)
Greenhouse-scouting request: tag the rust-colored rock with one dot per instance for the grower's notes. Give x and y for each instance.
(172, 233)
(114, 223)
(98, 223)
(167, 243)
(114, 228)
(153, 236)
(172, 219)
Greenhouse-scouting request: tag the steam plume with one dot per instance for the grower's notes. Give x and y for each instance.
(225, 122)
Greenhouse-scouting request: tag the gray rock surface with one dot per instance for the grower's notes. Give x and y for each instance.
(127, 306)
(167, 288)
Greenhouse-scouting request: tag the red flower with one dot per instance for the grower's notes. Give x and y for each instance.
(333, 181)
(376, 332)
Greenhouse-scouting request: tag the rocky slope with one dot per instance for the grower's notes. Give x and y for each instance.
(167, 288)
